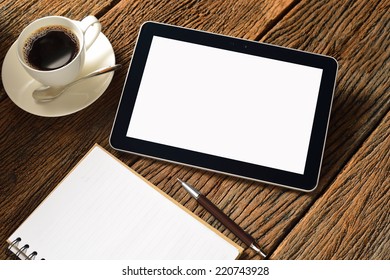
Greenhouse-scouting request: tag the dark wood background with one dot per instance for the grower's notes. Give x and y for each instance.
(346, 217)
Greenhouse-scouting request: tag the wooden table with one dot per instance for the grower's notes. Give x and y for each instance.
(346, 217)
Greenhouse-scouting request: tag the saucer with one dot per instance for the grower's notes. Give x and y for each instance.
(19, 85)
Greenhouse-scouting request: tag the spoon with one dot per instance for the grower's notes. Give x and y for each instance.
(47, 93)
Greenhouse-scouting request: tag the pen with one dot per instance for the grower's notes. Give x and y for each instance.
(223, 218)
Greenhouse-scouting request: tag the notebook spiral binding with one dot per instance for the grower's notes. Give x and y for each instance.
(21, 252)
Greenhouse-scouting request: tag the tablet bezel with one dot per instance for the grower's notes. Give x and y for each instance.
(305, 182)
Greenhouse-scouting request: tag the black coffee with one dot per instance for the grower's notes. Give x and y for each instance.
(50, 48)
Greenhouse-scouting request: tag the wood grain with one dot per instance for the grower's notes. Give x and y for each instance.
(37, 152)
(356, 34)
(353, 32)
(34, 149)
(245, 19)
(352, 219)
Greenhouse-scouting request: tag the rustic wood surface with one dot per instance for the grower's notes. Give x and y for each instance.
(351, 219)
(353, 192)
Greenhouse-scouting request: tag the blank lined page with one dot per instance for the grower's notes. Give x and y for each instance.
(104, 210)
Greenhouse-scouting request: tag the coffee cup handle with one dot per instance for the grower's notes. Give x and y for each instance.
(93, 33)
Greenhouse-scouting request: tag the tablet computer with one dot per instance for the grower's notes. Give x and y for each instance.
(224, 104)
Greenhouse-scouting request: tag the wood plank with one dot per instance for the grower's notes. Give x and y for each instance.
(37, 152)
(352, 219)
(352, 32)
(245, 19)
(355, 34)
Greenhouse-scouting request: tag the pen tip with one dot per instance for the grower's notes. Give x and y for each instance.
(256, 247)
(179, 180)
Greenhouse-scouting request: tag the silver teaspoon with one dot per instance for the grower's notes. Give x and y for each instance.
(47, 93)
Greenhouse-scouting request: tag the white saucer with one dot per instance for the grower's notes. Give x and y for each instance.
(19, 85)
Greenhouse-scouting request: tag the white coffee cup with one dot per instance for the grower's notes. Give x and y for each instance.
(86, 32)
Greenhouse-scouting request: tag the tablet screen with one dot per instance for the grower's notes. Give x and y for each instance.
(228, 104)
(225, 104)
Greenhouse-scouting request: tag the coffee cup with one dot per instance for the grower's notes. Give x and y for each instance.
(52, 49)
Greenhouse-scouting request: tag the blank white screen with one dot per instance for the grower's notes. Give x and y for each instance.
(227, 104)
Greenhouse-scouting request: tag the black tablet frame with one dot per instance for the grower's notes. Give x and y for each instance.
(306, 182)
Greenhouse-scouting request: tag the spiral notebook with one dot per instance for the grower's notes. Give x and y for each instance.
(104, 210)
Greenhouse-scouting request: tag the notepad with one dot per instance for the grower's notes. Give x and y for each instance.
(104, 210)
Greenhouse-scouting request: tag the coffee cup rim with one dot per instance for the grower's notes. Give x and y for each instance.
(20, 44)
